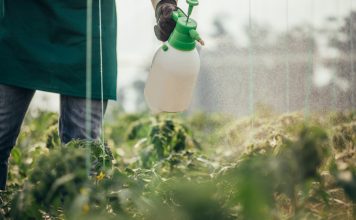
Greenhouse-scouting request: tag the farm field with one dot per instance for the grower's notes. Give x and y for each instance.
(201, 166)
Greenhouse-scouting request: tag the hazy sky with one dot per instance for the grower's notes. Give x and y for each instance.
(136, 20)
(136, 17)
(137, 43)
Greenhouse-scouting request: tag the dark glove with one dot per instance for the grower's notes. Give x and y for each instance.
(165, 23)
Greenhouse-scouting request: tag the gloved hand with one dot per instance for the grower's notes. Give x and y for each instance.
(165, 23)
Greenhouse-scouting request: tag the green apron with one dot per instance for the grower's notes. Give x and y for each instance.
(43, 46)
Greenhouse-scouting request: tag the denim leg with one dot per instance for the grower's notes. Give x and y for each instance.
(14, 102)
(72, 119)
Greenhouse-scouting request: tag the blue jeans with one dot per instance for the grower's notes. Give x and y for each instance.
(14, 102)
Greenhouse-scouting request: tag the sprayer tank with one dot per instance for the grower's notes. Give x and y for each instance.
(172, 79)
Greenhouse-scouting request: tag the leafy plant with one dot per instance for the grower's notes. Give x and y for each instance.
(177, 167)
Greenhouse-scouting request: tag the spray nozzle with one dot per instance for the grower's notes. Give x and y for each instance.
(195, 35)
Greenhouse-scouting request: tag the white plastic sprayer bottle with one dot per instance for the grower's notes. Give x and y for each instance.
(175, 67)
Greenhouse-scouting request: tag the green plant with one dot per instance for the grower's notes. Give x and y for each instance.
(177, 167)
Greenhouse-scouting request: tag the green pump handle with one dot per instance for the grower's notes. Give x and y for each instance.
(192, 4)
(185, 33)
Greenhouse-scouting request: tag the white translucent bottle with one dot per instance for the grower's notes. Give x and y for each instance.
(175, 68)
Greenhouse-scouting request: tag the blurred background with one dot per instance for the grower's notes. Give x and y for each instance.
(284, 55)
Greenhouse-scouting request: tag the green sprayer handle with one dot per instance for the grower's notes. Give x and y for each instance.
(193, 2)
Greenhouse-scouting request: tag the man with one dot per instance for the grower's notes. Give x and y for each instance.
(43, 47)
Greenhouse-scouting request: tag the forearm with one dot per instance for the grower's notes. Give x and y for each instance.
(155, 2)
